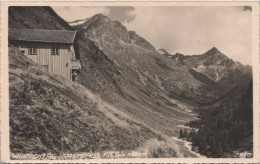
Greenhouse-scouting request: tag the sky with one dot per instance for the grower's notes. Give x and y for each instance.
(189, 30)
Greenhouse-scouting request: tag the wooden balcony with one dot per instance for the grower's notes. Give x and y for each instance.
(75, 64)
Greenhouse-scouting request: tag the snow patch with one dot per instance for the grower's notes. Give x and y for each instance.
(75, 23)
(161, 51)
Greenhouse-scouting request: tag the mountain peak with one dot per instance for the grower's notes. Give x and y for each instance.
(214, 48)
(100, 17)
(213, 52)
(100, 26)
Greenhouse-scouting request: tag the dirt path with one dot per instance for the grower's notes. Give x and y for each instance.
(188, 147)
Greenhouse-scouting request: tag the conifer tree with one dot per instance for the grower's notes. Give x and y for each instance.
(181, 134)
(185, 133)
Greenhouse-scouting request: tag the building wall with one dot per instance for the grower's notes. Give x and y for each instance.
(59, 64)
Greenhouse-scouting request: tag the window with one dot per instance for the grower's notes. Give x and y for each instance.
(32, 50)
(46, 67)
(55, 51)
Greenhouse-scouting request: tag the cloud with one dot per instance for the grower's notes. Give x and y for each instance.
(194, 30)
(79, 12)
(249, 8)
(131, 15)
(121, 13)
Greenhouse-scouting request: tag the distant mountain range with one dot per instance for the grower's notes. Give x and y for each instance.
(216, 66)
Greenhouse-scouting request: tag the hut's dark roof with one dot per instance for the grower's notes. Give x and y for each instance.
(42, 35)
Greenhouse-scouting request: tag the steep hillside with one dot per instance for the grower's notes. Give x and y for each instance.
(28, 17)
(51, 114)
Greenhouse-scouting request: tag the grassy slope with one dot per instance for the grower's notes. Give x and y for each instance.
(51, 114)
